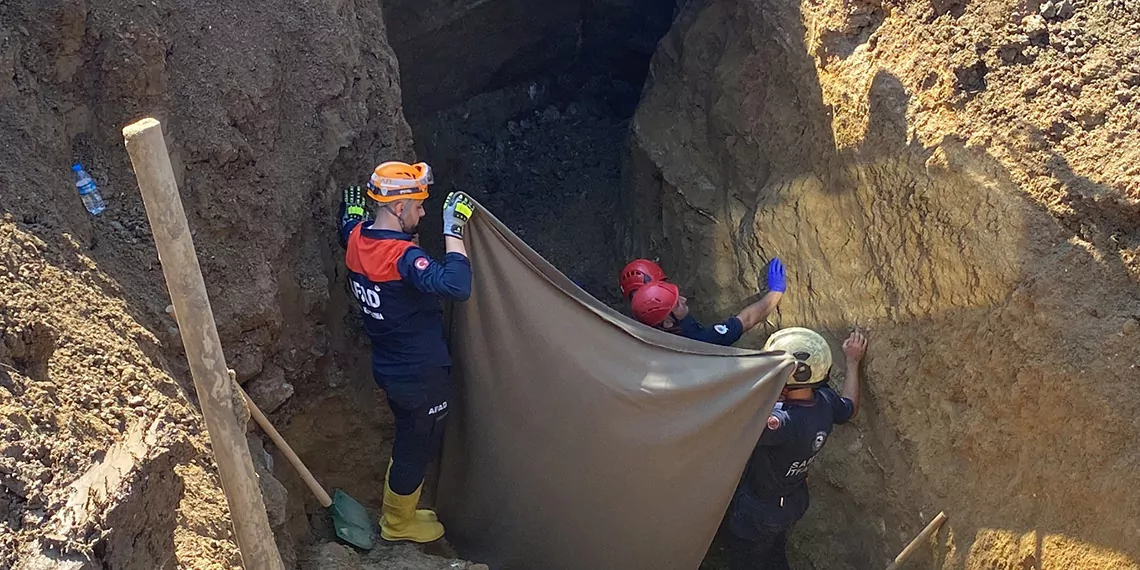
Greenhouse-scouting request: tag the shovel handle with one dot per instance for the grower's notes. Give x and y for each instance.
(303, 471)
(917, 541)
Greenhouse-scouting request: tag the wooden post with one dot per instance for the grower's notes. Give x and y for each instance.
(917, 541)
(200, 339)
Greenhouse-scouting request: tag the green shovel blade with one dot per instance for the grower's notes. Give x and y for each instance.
(351, 521)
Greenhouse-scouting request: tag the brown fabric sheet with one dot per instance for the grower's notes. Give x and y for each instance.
(579, 438)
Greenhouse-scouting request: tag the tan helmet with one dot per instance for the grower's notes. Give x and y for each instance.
(811, 351)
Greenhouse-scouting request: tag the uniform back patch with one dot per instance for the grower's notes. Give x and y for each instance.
(421, 263)
(773, 423)
(820, 437)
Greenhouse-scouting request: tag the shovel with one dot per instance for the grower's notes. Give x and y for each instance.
(350, 520)
(918, 540)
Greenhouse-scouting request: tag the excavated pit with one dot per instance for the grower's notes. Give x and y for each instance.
(959, 177)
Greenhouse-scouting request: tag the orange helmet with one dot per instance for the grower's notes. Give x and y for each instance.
(393, 181)
(637, 273)
(653, 302)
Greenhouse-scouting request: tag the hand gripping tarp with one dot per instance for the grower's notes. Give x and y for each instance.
(580, 439)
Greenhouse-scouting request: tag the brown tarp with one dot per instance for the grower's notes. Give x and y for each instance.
(579, 438)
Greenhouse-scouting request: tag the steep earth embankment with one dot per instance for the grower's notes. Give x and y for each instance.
(267, 106)
(960, 178)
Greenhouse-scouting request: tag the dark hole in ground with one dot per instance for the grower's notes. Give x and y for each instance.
(551, 171)
(543, 145)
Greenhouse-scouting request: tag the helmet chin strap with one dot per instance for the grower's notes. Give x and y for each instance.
(399, 218)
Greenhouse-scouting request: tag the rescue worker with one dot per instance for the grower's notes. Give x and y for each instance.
(660, 304)
(637, 273)
(773, 492)
(399, 287)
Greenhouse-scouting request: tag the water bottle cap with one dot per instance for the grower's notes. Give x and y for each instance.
(76, 167)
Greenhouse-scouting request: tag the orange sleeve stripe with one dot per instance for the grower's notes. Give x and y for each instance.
(375, 259)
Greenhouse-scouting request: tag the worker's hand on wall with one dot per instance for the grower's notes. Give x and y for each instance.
(777, 280)
(354, 205)
(855, 347)
(456, 211)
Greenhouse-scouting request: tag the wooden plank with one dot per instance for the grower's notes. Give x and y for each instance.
(151, 163)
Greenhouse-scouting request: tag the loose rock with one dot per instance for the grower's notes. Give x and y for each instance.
(1065, 9)
(1035, 28)
(270, 390)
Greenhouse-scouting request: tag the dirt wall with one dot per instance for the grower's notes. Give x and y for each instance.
(966, 188)
(268, 107)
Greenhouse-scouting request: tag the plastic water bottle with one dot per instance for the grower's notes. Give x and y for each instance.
(87, 190)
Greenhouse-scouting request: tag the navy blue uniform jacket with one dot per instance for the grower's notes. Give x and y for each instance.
(399, 287)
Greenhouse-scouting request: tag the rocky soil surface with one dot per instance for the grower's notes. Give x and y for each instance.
(546, 157)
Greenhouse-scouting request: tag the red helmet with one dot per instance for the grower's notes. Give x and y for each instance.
(637, 273)
(653, 302)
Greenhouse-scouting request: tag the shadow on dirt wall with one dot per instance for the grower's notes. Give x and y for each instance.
(984, 403)
(997, 458)
(1096, 213)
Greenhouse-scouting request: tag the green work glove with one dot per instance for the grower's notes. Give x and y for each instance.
(456, 211)
(353, 207)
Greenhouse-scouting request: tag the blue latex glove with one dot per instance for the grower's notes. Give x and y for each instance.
(777, 280)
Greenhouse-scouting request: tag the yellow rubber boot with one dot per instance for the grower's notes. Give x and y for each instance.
(424, 515)
(398, 519)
